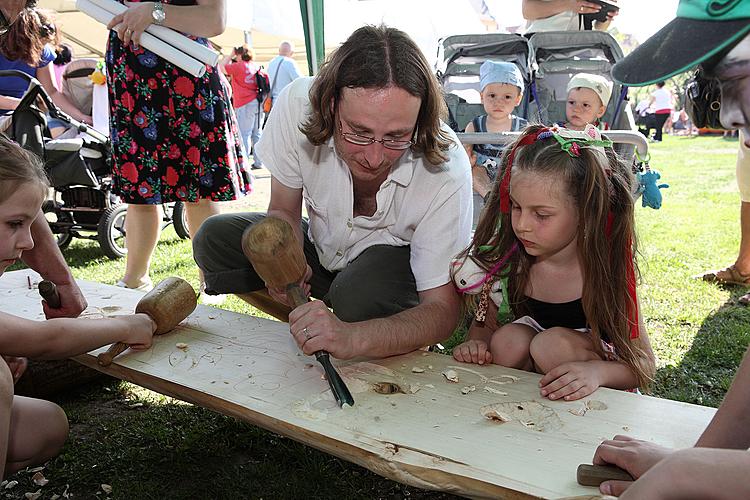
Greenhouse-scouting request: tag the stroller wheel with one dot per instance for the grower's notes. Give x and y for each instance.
(179, 219)
(56, 218)
(111, 232)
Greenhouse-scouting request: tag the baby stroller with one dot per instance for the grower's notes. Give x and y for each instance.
(462, 55)
(557, 56)
(79, 172)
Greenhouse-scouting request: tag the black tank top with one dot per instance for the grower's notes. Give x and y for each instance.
(549, 314)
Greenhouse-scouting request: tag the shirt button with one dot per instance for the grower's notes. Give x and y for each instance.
(349, 224)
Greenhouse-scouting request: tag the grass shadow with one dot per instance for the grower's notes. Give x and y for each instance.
(706, 370)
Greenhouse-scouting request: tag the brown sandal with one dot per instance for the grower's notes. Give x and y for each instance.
(727, 276)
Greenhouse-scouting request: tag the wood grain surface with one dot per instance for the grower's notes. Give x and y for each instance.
(430, 432)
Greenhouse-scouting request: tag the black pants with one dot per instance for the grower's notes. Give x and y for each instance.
(377, 284)
(659, 121)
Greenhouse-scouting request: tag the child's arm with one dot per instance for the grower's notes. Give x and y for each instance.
(65, 337)
(46, 259)
(470, 147)
(578, 379)
(476, 348)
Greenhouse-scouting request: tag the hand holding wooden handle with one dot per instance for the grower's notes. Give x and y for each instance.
(594, 475)
(48, 291)
(170, 302)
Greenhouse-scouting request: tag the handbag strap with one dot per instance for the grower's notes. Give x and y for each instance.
(275, 74)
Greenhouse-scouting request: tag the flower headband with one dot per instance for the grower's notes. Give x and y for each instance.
(570, 141)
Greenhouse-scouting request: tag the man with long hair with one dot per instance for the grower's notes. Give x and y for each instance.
(387, 188)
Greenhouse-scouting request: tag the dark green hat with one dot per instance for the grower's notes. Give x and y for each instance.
(702, 29)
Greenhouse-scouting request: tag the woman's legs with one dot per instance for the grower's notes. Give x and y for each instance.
(142, 228)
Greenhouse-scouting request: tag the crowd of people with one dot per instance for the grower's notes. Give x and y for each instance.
(388, 190)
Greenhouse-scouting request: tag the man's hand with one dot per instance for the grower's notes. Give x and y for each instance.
(315, 328)
(17, 366)
(473, 351)
(570, 381)
(72, 302)
(279, 294)
(633, 455)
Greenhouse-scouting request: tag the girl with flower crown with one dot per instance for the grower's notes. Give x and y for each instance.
(557, 275)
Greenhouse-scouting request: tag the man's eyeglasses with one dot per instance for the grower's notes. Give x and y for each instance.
(362, 140)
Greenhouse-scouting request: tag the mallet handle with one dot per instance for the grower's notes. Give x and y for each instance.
(594, 475)
(48, 291)
(105, 358)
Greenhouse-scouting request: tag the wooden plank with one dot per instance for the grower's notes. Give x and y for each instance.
(433, 436)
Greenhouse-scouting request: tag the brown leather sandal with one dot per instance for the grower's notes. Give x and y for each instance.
(727, 276)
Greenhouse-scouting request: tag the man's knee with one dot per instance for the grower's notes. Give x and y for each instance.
(377, 284)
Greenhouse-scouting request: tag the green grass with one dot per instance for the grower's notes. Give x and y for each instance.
(148, 446)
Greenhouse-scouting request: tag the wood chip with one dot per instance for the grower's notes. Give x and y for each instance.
(181, 345)
(106, 488)
(579, 412)
(451, 376)
(468, 389)
(417, 369)
(496, 415)
(494, 391)
(33, 496)
(595, 405)
(11, 484)
(39, 479)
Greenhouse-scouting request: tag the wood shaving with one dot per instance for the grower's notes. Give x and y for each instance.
(414, 388)
(469, 370)
(451, 376)
(11, 484)
(468, 389)
(417, 369)
(595, 405)
(33, 496)
(579, 412)
(494, 391)
(181, 345)
(39, 479)
(504, 379)
(495, 414)
(106, 488)
(429, 386)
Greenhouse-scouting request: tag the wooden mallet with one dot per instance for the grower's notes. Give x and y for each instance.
(277, 257)
(171, 301)
(594, 475)
(48, 291)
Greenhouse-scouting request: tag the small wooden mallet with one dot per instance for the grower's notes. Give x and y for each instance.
(594, 475)
(48, 291)
(170, 302)
(277, 257)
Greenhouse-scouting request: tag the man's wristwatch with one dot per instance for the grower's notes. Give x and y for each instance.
(158, 14)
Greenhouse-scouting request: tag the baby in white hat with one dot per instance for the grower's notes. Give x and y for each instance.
(502, 87)
(588, 96)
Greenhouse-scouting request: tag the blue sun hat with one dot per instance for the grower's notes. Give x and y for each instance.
(500, 72)
(703, 31)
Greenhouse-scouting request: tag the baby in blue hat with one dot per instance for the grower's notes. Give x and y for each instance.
(502, 87)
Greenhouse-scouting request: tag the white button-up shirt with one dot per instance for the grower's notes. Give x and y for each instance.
(427, 207)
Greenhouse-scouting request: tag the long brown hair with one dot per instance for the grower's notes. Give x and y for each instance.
(601, 191)
(378, 57)
(28, 35)
(17, 167)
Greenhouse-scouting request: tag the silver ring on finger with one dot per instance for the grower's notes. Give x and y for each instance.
(306, 333)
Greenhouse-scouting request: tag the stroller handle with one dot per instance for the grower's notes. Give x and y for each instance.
(617, 136)
(35, 89)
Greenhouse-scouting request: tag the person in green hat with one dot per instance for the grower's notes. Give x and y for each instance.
(714, 34)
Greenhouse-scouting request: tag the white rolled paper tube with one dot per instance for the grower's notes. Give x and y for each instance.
(172, 37)
(155, 45)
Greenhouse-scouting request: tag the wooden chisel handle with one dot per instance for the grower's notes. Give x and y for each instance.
(105, 358)
(594, 475)
(48, 291)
